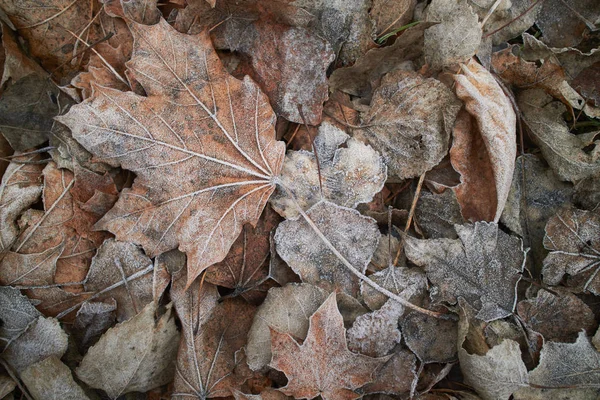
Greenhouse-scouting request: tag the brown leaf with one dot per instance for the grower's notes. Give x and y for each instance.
(396, 376)
(573, 238)
(351, 173)
(21, 187)
(140, 11)
(410, 284)
(353, 235)
(456, 38)
(16, 313)
(322, 365)
(225, 129)
(409, 123)
(496, 123)
(92, 320)
(391, 15)
(575, 14)
(427, 337)
(436, 214)
(51, 378)
(586, 83)
(376, 333)
(508, 20)
(134, 356)
(209, 348)
(286, 310)
(483, 266)
(559, 318)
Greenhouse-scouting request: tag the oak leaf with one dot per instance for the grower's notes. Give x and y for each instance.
(201, 143)
(322, 365)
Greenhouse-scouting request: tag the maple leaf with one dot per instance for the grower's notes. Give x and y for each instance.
(202, 145)
(322, 365)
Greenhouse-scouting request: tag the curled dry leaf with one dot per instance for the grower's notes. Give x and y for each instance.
(51, 379)
(456, 38)
(353, 235)
(92, 320)
(322, 365)
(563, 151)
(557, 317)
(21, 187)
(43, 338)
(351, 173)
(573, 238)
(213, 332)
(136, 355)
(496, 123)
(484, 266)
(409, 123)
(196, 117)
(287, 310)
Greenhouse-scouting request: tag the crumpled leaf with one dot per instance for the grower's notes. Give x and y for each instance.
(556, 15)
(209, 348)
(587, 194)
(496, 374)
(409, 122)
(51, 379)
(586, 83)
(125, 263)
(92, 320)
(227, 131)
(322, 365)
(427, 337)
(558, 318)
(573, 238)
(535, 196)
(483, 266)
(136, 355)
(563, 151)
(456, 38)
(353, 235)
(287, 310)
(302, 59)
(16, 313)
(564, 365)
(43, 338)
(376, 333)
(496, 123)
(509, 19)
(7, 385)
(350, 175)
(21, 187)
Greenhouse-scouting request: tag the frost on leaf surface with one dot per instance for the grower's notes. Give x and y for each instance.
(483, 266)
(202, 145)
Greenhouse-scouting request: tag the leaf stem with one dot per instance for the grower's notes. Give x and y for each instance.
(351, 268)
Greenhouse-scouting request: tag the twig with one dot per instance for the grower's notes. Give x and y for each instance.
(411, 213)
(512, 20)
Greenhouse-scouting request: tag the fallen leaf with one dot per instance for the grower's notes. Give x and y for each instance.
(42, 338)
(557, 317)
(396, 376)
(586, 83)
(427, 337)
(7, 385)
(92, 320)
(322, 365)
(563, 151)
(508, 20)
(456, 38)
(51, 379)
(134, 356)
(121, 262)
(409, 123)
(351, 173)
(140, 11)
(286, 310)
(496, 123)
(556, 15)
(16, 314)
(573, 238)
(391, 15)
(484, 266)
(410, 284)
(436, 214)
(227, 132)
(587, 194)
(353, 235)
(376, 333)
(21, 187)
(209, 347)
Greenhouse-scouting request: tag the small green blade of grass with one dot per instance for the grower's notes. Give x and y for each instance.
(385, 37)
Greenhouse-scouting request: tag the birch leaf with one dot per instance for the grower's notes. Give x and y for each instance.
(51, 379)
(195, 117)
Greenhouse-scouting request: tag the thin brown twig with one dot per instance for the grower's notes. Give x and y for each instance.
(411, 213)
(512, 20)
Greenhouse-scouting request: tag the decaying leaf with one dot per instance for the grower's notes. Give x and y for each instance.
(287, 310)
(213, 332)
(16, 313)
(51, 379)
(508, 20)
(7, 385)
(496, 123)
(409, 123)
(555, 15)
(456, 38)
(436, 214)
(396, 377)
(483, 266)
(193, 119)
(92, 320)
(410, 284)
(557, 317)
(322, 365)
(563, 151)
(391, 15)
(428, 337)
(376, 333)
(350, 175)
(43, 338)
(352, 234)
(136, 355)
(573, 238)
